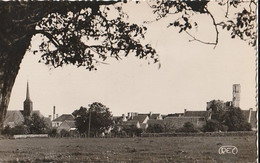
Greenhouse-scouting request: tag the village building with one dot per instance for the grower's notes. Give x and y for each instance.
(152, 122)
(138, 120)
(16, 117)
(174, 115)
(130, 124)
(178, 122)
(59, 120)
(67, 125)
(199, 114)
(251, 117)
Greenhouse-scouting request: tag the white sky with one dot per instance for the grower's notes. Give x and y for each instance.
(191, 75)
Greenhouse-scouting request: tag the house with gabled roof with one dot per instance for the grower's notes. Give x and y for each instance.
(141, 118)
(178, 122)
(64, 117)
(129, 124)
(205, 114)
(155, 116)
(13, 118)
(68, 126)
(152, 122)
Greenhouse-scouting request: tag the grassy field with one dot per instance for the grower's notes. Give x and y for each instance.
(155, 149)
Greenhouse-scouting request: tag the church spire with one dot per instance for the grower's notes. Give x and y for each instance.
(27, 92)
(27, 104)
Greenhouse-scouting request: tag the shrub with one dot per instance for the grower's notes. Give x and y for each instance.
(64, 133)
(17, 130)
(187, 127)
(156, 128)
(53, 132)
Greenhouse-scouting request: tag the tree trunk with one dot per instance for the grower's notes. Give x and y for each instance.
(16, 30)
(10, 59)
(14, 41)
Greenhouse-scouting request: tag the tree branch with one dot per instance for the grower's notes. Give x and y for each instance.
(215, 25)
(49, 36)
(226, 15)
(195, 39)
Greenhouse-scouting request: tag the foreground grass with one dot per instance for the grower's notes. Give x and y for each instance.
(155, 149)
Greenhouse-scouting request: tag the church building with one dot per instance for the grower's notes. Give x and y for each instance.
(16, 117)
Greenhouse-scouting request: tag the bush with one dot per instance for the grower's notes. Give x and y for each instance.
(64, 133)
(187, 127)
(132, 131)
(17, 130)
(53, 132)
(156, 128)
(211, 126)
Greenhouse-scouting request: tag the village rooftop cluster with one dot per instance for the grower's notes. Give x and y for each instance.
(138, 120)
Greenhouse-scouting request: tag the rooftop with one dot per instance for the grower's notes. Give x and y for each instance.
(64, 117)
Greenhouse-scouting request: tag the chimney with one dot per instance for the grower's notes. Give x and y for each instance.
(57, 115)
(124, 117)
(128, 115)
(185, 111)
(150, 114)
(53, 113)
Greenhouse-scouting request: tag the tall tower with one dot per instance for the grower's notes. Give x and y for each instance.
(27, 104)
(236, 95)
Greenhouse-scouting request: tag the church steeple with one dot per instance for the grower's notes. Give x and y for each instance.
(27, 92)
(27, 104)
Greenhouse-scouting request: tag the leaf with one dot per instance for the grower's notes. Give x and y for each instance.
(176, 23)
(228, 27)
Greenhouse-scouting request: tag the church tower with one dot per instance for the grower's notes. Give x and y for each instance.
(236, 95)
(27, 104)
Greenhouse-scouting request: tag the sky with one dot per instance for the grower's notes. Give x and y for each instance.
(191, 74)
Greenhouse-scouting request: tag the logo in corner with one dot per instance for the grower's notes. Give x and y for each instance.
(228, 149)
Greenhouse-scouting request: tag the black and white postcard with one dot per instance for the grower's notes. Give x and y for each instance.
(128, 81)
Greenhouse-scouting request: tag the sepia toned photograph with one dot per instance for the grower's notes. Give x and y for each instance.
(171, 81)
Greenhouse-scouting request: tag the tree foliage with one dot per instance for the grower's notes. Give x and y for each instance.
(236, 121)
(36, 124)
(87, 37)
(100, 118)
(156, 128)
(226, 118)
(214, 125)
(132, 130)
(17, 130)
(187, 127)
(239, 19)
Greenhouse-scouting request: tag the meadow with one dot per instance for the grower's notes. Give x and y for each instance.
(137, 149)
